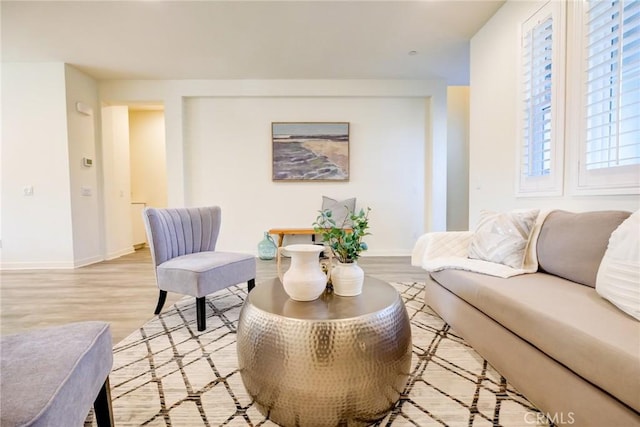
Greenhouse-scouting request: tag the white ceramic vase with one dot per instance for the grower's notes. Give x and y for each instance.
(347, 279)
(305, 280)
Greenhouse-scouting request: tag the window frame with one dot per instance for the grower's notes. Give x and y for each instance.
(551, 184)
(616, 180)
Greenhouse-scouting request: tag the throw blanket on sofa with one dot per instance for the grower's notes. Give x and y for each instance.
(448, 250)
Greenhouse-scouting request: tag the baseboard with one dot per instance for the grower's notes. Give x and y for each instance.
(119, 253)
(87, 261)
(37, 265)
(50, 265)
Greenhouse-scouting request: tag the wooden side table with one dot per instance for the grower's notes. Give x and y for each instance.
(281, 232)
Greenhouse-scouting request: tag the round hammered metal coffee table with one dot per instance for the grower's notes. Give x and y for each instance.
(335, 361)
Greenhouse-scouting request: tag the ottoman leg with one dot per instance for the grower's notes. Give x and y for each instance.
(102, 406)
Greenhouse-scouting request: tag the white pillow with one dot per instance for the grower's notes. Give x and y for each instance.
(503, 237)
(340, 209)
(618, 278)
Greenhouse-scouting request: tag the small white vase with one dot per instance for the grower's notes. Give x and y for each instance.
(347, 279)
(305, 280)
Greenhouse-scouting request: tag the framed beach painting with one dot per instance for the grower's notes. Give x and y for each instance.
(310, 151)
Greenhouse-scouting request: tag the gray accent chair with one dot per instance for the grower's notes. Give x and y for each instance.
(183, 248)
(52, 376)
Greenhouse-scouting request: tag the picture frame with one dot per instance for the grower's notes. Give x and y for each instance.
(310, 151)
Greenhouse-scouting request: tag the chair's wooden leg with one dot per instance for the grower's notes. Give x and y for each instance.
(201, 313)
(161, 299)
(102, 406)
(251, 284)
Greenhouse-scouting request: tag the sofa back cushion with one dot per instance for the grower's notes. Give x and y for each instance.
(571, 245)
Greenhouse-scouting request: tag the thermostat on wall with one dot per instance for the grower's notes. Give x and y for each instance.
(87, 162)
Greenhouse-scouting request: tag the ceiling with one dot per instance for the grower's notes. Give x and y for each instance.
(248, 39)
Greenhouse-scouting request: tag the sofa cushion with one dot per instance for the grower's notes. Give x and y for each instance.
(202, 273)
(568, 322)
(571, 245)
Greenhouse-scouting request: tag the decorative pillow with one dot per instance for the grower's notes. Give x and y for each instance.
(618, 278)
(340, 210)
(503, 237)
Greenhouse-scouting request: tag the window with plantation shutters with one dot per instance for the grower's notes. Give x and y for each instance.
(542, 70)
(537, 45)
(610, 151)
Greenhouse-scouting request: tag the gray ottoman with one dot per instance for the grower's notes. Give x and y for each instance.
(52, 376)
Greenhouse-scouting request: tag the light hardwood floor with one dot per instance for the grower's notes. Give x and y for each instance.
(121, 292)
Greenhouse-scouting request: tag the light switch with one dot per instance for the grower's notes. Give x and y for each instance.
(28, 190)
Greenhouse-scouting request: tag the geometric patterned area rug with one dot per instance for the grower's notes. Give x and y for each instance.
(169, 374)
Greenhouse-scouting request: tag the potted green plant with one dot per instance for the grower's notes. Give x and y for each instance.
(345, 242)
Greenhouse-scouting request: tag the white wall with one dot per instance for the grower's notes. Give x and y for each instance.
(458, 158)
(117, 181)
(1, 139)
(323, 100)
(42, 140)
(493, 123)
(228, 163)
(87, 247)
(37, 229)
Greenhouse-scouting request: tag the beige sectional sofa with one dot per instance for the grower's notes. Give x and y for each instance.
(572, 353)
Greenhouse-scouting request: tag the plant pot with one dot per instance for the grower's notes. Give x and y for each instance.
(347, 279)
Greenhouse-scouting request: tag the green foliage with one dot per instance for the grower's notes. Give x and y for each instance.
(346, 245)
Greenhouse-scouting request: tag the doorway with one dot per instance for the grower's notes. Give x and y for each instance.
(134, 172)
(148, 165)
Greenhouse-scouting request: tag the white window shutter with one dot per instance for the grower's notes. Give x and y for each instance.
(610, 148)
(541, 152)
